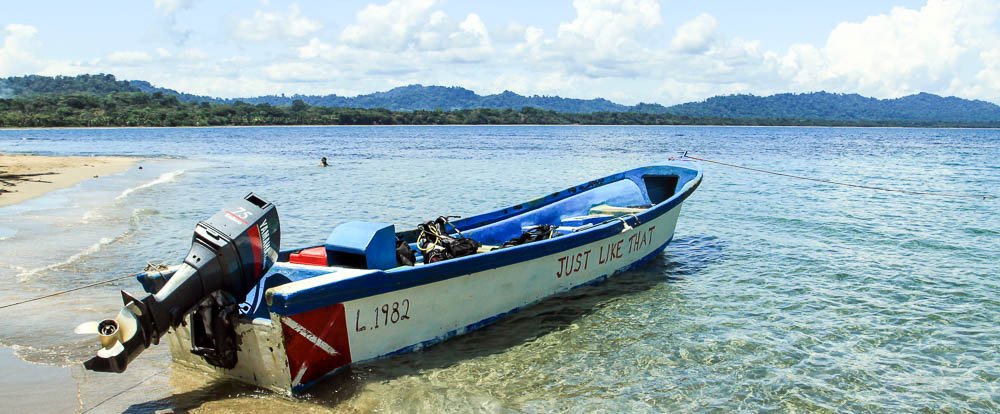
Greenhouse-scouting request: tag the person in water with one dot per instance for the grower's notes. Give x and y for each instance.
(322, 162)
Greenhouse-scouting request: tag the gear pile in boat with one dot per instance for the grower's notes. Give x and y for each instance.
(531, 234)
(437, 244)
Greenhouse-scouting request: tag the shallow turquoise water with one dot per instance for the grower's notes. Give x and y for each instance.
(777, 294)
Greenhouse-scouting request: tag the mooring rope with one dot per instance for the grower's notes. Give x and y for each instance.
(119, 393)
(149, 267)
(820, 180)
(66, 291)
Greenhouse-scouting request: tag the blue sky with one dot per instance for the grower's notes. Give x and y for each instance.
(630, 51)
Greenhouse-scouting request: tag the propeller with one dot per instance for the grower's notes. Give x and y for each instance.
(112, 333)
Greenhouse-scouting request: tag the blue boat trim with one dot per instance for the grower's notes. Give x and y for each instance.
(290, 303)
(635, 175)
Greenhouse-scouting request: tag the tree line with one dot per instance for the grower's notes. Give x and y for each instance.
(138, 109)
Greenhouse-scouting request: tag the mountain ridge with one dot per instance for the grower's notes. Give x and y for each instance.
(920, 107)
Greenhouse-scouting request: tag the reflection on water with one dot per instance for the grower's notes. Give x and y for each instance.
(776, 294)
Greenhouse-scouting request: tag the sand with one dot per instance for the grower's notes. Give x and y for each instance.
(23, 177)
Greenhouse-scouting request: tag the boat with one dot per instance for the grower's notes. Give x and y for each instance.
(368, 292)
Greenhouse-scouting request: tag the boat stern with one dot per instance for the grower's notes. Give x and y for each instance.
(261, 354)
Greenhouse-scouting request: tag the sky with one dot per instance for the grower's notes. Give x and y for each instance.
(628, 51)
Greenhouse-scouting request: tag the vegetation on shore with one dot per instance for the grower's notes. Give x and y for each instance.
(103, 101)
(137, 109)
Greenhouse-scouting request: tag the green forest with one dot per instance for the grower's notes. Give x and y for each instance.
(103, 101)
(138, 109)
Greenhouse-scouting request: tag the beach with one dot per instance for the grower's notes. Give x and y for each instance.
(23, 177)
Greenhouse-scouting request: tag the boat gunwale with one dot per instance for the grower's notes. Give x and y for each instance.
(491, 217)
(284, 302)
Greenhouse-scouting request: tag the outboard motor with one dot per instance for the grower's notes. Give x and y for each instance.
(229, 254)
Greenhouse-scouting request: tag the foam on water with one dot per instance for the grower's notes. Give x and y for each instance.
(163, 178)
(26, 275)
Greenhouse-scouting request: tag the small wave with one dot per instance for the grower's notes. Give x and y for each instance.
(94, 248)
(57, 356)
(971, 230)
(90, 215)
(140, 216)
(163, 178)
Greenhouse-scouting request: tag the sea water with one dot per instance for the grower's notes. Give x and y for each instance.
(777, 294)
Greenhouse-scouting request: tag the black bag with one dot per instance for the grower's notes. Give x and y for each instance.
(461, 247)
(404, 254)
(437, 245)
(539, 232)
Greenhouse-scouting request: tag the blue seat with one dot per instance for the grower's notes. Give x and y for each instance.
(362, 245)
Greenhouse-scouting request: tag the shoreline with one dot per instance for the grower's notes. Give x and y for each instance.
(24, 177)
(950, 127)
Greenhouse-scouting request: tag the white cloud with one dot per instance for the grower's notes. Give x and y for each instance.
(275, 25)
(402, 34)
(193, 54)
(511, 33)
(611, 26)
(128, 58)
(391, 26)
(678, 91)
(986, 83)
(16, 55)
(169, 7)
(606, 38)
(898, 53)
(213, 84)
(300, 72)
(695, 36)
(168, 10)
(315, 48)
(474, 26)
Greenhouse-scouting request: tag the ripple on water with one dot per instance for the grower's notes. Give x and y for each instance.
(776, 295)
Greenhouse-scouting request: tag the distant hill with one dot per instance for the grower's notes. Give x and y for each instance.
(919, 109)
(430, 98)
(403, 98)
(33, 85)
(143, 86)
(922, 107)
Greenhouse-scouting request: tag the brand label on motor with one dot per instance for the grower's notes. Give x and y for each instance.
(265, 243)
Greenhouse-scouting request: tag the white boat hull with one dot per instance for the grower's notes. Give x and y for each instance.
(290, 352)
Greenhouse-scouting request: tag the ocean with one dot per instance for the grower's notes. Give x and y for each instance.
(776, 294)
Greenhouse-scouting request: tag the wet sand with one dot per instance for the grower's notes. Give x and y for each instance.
(26, 386)
(23, 177)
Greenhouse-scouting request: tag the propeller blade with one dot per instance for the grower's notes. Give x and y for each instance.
(87, 328)
(114, 350)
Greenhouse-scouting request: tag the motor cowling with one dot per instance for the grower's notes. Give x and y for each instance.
(229, 254)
